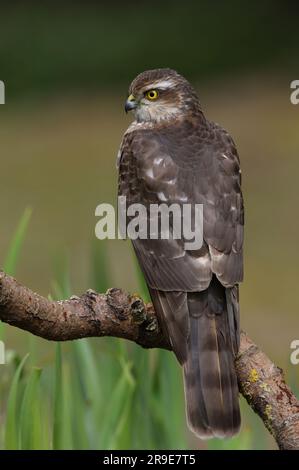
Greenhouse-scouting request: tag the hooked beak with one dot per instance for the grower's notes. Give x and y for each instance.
(130, 103)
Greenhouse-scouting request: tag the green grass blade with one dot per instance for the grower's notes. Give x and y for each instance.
(87, 369)
(58, 402)
(11, 259)
(68, 408)
(31, 436)
(165, 403)
(80, 414)
(113, 414)
(11, 427)
(62, 438)
(89, 397)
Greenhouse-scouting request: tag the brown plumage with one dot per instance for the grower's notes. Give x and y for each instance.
(171, 153)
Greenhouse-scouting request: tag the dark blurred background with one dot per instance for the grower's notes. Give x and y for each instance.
(49, 47)
(67, 67)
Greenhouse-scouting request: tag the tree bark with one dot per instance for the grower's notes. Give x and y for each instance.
(121, 315)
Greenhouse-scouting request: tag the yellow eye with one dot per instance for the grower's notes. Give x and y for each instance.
(152, 95)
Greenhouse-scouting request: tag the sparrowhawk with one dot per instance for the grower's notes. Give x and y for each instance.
(172, 153)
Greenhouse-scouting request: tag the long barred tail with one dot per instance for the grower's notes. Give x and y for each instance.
(211, 388)
(203, 328)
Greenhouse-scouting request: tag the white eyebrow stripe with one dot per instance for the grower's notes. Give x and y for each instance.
(162, 84)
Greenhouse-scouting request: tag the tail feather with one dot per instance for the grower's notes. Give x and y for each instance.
(203, 328)
(172, 310)
(211, 388)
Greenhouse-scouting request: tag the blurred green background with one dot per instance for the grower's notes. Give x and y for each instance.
(67, 68)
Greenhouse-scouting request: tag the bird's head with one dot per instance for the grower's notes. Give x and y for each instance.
(161, 94)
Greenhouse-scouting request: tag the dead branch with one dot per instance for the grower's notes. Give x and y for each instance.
(121, 315)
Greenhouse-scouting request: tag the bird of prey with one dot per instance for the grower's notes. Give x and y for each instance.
(171, 153)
